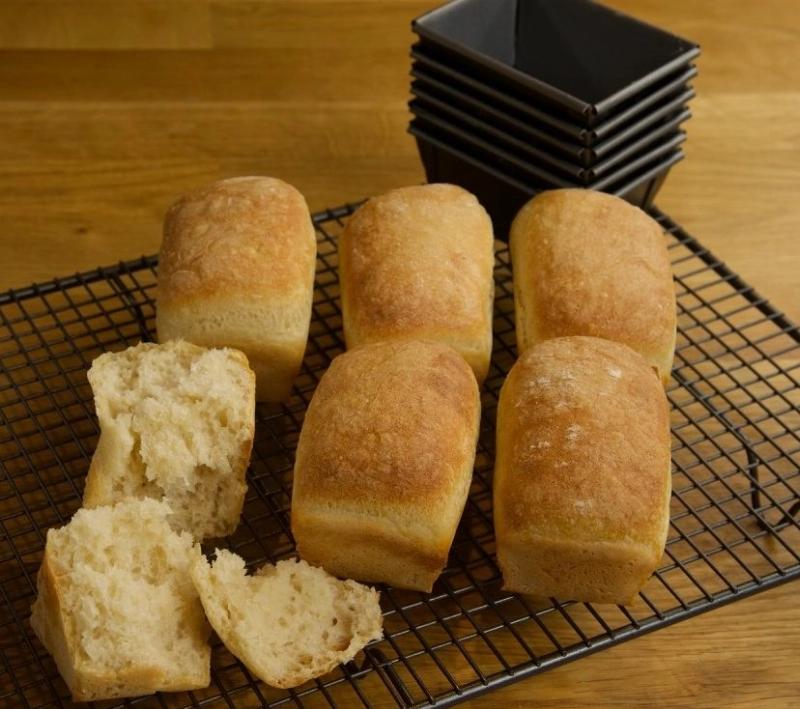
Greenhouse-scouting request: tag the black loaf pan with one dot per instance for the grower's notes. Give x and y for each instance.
(430, 87)
(507, 102)
(512, 163)
(503, 195)
(580, 59)
(427, 105)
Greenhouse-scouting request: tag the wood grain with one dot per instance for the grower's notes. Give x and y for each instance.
(108, 111)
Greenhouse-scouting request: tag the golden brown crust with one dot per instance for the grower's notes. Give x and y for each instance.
(371, 550)
(583, 455)
(416, 263)
(246, 235)
(387, 419)
(600, 572)
(387, 450)
(589, 263)
(236, 269)
(53, 628)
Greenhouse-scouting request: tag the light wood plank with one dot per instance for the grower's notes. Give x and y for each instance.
(105, 24)
(285, 74)
(329, 24)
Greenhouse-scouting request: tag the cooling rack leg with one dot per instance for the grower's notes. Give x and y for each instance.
(755, 496)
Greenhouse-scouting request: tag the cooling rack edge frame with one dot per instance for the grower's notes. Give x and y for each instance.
(571, 654)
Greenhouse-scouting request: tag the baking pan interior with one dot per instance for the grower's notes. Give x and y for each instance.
(575, 53)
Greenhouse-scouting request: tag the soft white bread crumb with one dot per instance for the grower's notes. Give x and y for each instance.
(290, 622)
(116, 606)
(177, 423)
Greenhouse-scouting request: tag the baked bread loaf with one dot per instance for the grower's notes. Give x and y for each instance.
(116, 606)
(589, 263)
(236, 269)
(176, 424)
(384, 462)
(290, 622)
(416, 263)
(582, 473)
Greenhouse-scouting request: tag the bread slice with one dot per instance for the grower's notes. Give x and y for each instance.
(177, 423)
(116, 605)
(290, 622)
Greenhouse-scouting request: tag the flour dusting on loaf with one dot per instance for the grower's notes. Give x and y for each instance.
(582, 471)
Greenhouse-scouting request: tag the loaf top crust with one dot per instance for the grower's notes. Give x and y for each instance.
(249, 236)
(417, 259)
(583, 446)
(390, 432)
(589, 263)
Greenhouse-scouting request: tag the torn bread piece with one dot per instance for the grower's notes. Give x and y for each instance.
(289, 622)
(176, 423)
(116, 605)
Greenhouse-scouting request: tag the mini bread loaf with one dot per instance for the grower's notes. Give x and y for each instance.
(582, 473)
(116, 605)
(384, 462)
(290, 622)
(416, 263)
(236, 270)
(589, 263)
(176, 424)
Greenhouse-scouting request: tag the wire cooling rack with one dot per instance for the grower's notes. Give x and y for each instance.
(736, 480)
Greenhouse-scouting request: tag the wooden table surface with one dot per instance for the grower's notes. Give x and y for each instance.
(109, 111)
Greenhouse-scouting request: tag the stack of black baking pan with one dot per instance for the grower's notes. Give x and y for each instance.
(510, 97)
